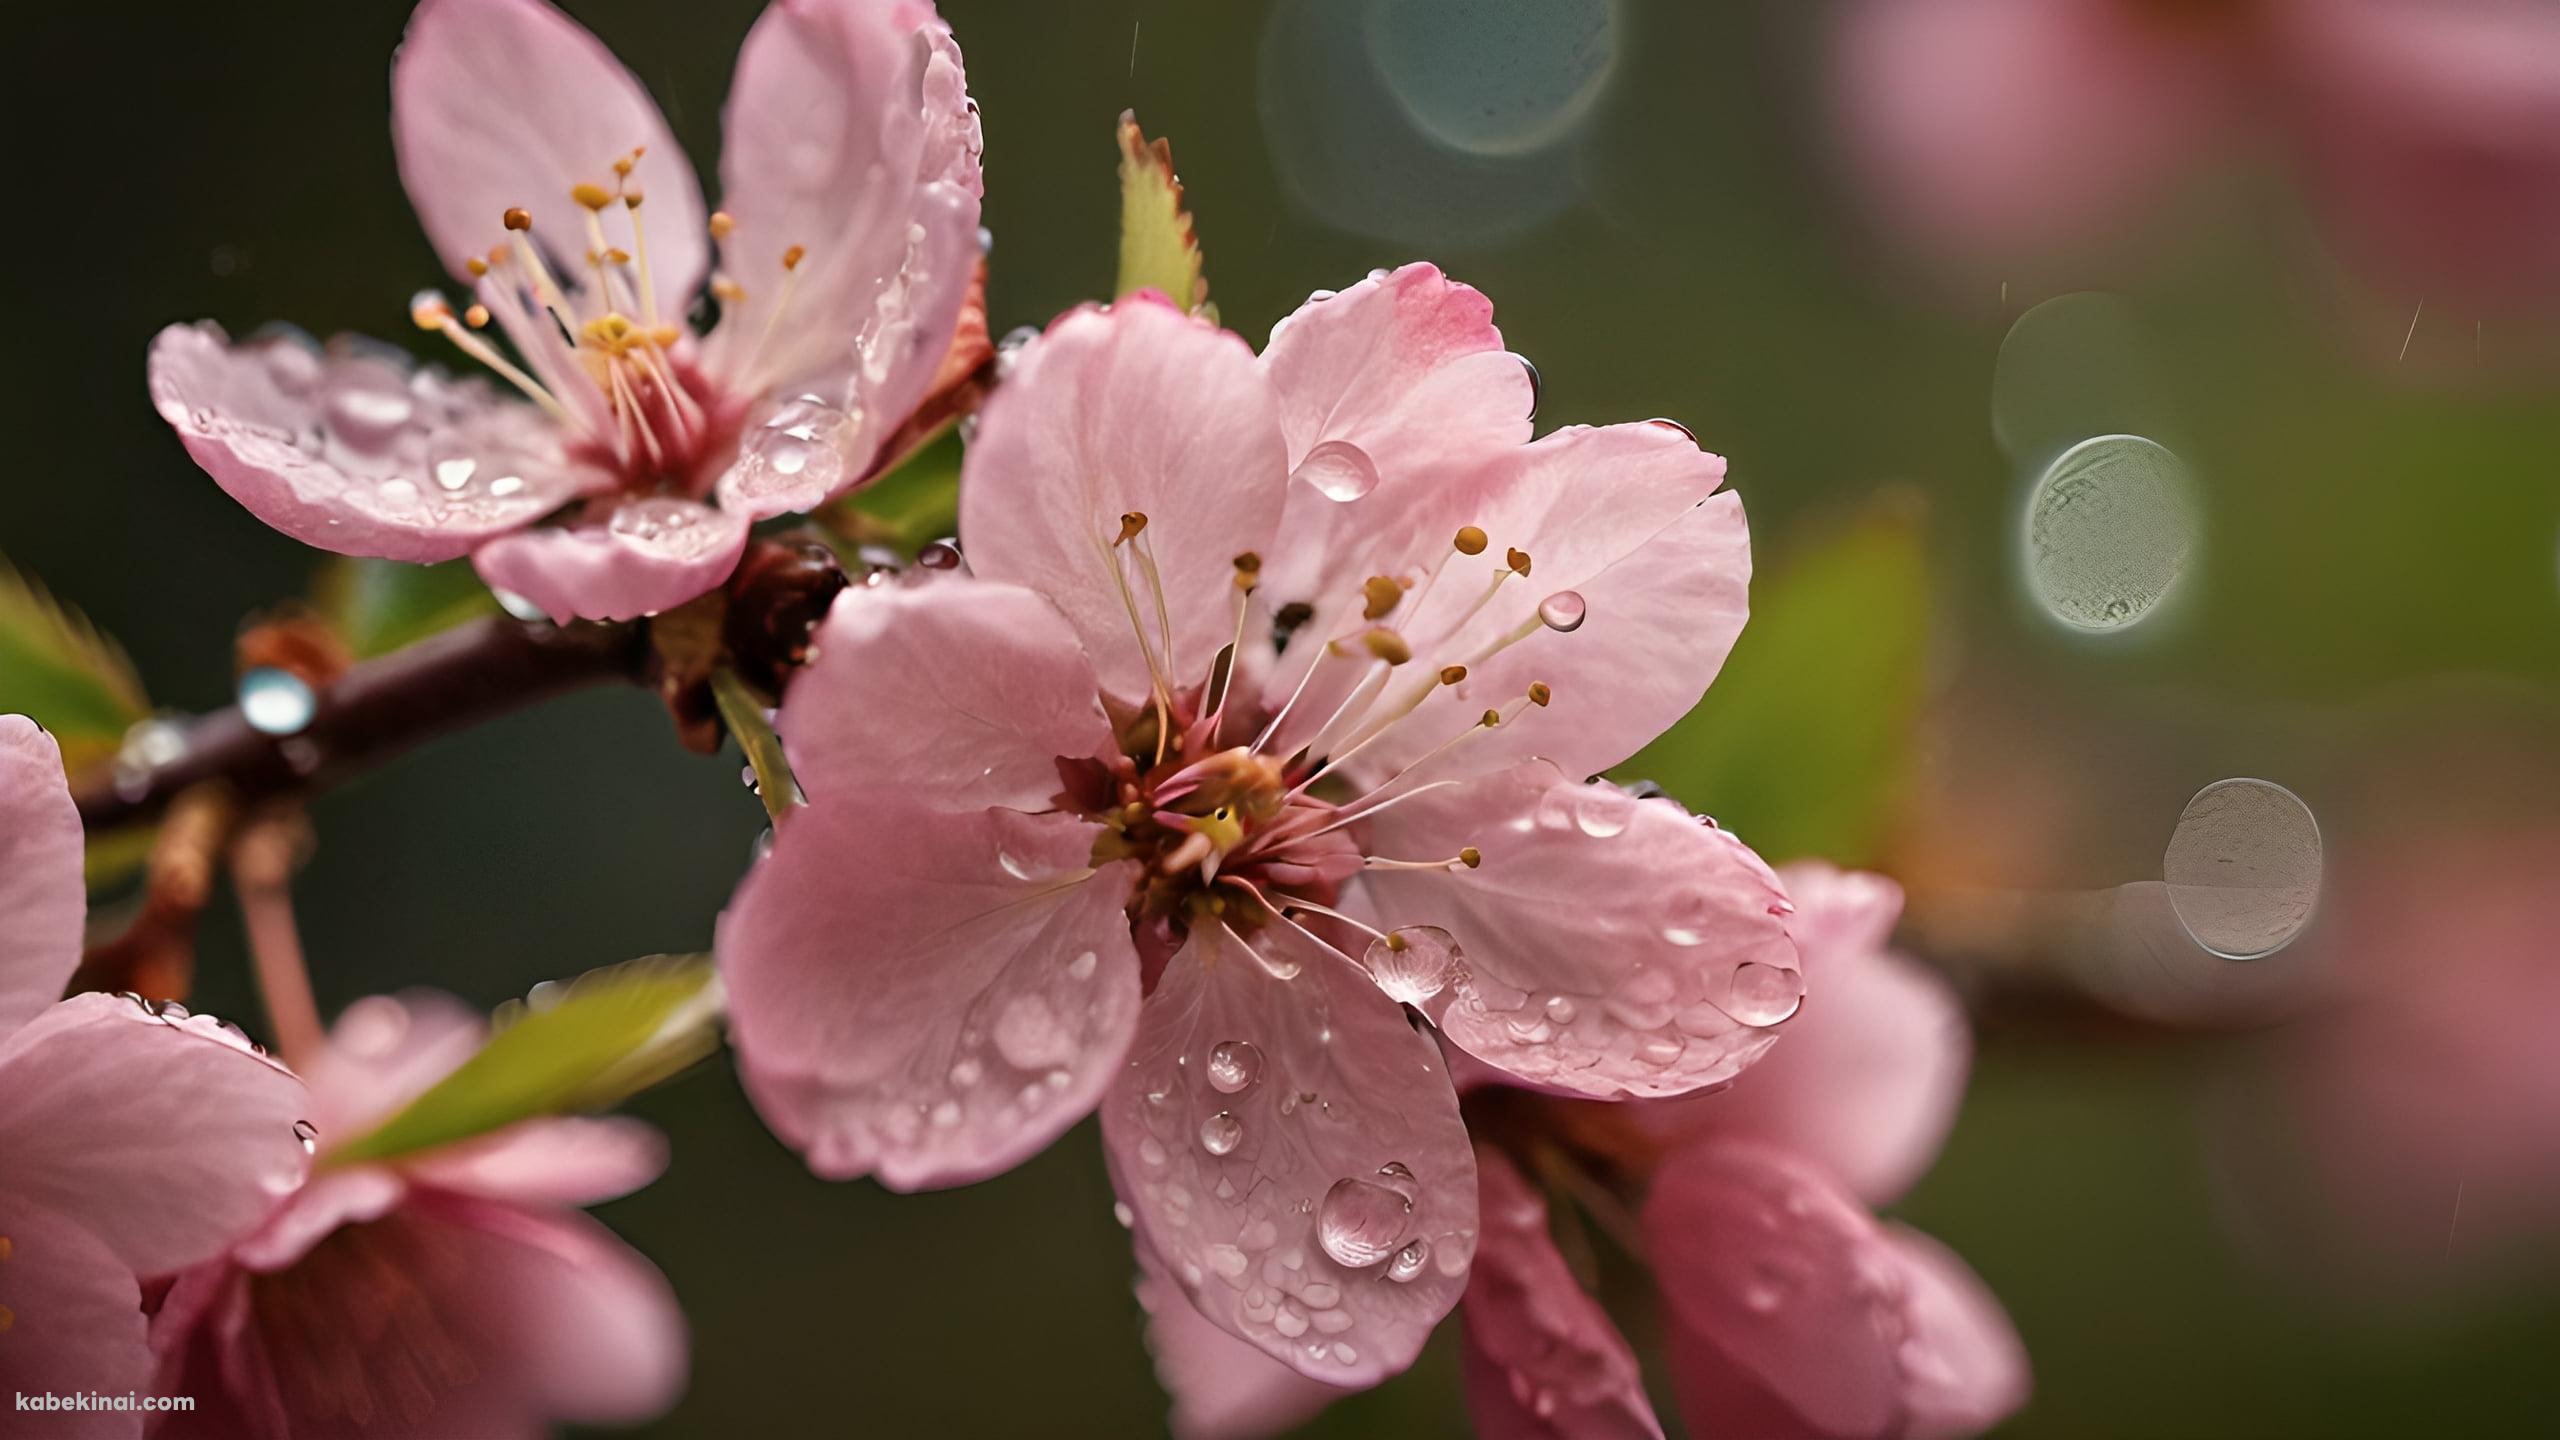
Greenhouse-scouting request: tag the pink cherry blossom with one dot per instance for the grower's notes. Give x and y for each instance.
(548, 181)
(2428, 133)
(1062, 852)
(135, 1139)
(455, 1291)
(1791, 1311)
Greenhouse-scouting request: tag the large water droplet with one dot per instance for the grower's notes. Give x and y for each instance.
(1564, 611)
(1233, 1066)
(2243, 868)
(367, 405)
(1764, 994)
(1221, 1133)
(1415, 963)
(1361, 1222)
(276, 702)
(1601, 810)
(1339, 470)
(2110, 529)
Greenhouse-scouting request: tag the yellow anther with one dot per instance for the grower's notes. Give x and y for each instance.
(517, 218)
(622, 167)
(1519, 561)
(1452, 674)
(1539, 694)
(1471, 541)
(631, 199)
(591, 195)
(1248, 571)
(431, 313)
(1491, 719)
(1131, 525)
(722, 222)
(477, 317)
(792, 257)
(477, 266)
(1379, 595)
(1470, 856)
(1396, 940)
(1387, 645)
(5, 1248)
(8, 1317)
(728, 291)
(665, 336)
(501, 256)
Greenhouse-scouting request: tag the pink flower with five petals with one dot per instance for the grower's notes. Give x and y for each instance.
(135, 1140)
(549, 182)
(1790, 1310)
(454, 1291)
(1262, 716)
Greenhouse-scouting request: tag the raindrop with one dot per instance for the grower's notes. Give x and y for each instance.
(2243, 868)
(1361, 1222)
(368, 403)
(1560, 1009)
(1014, 865)
(1415, 963)
(1764, 994)
(308, 1135)
(941, 555)
(276, 702)
(1668, 424)
(1409, 1261)
(1339, 470)
(1233, 1066)
(456, 473)
(1221, 1133)
(1602, 810)
(2110, 528)
(1563, 612)
(517, 605)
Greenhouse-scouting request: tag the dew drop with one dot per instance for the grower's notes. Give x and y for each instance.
(1415, 963)
(1410, 1260)
(942, 555)
(517, 605)
(1361, 1221)
(1564, 611)
(1764, 994)
(275, 701)
(456, 473)
(1537, 384)
(1082, 967)
(1560, 1009)
(1014, 865)
(1339, 471)
(308, 1135)
(1602, 810)
(367, 406)
(1121, 1212)
(1233, 1066)
(1221, 1133)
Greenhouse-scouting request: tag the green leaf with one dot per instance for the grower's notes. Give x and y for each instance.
(743, 711)
(59, 670)
(378, 606)
(910, 507)
(1159, 250)
(609, 1035)
(1802, 745)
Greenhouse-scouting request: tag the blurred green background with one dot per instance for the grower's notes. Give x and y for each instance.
(1647, 192)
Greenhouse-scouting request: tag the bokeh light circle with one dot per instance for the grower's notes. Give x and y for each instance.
(2110, 529)
(2243, 868)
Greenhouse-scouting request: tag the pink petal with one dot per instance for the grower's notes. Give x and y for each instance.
(637, 557)
(850, 133)
(1407, 370)
(2434, 132)
(1869, 1077)
(924, 995)
(354, 451)
(1782, 1301)
(955, 695)
(1131, 408)
(569, 1161)
(1614, 947)
(43, 899)
(76, 1324)
(1222, 1388)
(1964, 1369)
(1259, 1173)
(169, 1138)
(1544, 1362)
(2001, 125)
(1612, 519)
(335, 1197)
(497, 104)
(383, 1052)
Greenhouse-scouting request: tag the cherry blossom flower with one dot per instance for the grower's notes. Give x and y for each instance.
(548, 181)
(2428, 133)
(453, 1291)
(136, 1140)
(1262, 716)
(1789, 1310)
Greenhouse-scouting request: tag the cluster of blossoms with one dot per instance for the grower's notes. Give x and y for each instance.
(1237, 787)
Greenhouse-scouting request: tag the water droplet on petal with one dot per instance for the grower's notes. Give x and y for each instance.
(1221, 1133)
(276, 702)
(942, 555)
(517, 605)
(1603, 810)
(1537, 384)
(1233, 1066)
(1361, 1222)
(1014, 865)
(1564, 611)
(1339, 470)
(1410, 1260)
(308, 1135)
(1415, 963)
(1764, 994)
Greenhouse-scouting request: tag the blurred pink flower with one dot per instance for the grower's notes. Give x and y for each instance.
(1789, 1310)
(851, 180)
(456, 1291)
(2429, 133)
(1034, 799)
(135, 1139)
